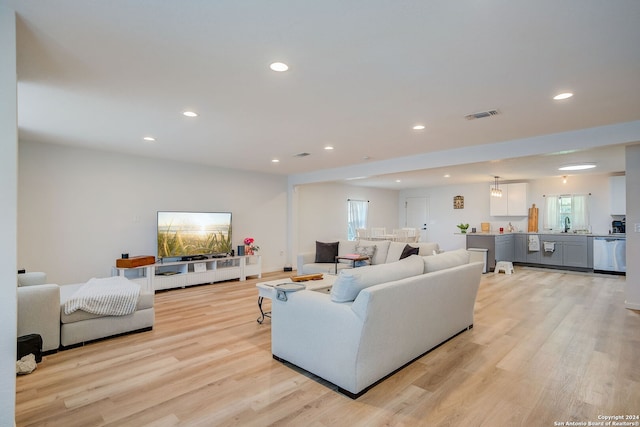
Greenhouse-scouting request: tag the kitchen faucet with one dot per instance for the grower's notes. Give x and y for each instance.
(567, 224)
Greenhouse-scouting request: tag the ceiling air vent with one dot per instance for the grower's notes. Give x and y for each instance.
(301, 155)
(482, 114)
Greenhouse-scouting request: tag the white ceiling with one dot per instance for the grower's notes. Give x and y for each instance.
(103, 75)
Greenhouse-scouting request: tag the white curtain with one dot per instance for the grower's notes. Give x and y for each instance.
(580, 211)
(357, 212)
(552, 213)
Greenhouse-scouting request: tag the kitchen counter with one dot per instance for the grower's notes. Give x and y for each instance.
(545, 233)
(565, 250)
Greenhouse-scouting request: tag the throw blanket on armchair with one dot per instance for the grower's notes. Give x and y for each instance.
(111, 296)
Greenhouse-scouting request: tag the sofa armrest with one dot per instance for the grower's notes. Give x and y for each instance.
(316, 334)
(305, 258)
(39, 313)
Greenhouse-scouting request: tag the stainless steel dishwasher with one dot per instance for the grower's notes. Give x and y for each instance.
(609, 254)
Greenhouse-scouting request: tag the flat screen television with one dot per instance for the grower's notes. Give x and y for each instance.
(184, 234)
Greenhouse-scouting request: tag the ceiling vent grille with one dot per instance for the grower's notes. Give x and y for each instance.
(301, 155)
(482, 114)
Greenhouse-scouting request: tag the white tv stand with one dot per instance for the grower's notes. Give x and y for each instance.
(178, 274)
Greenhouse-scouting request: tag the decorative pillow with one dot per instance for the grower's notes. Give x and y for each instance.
(351, 281)
(369, 251)
(382, 250)
(409, 250)
(445, 260)
(326, 252)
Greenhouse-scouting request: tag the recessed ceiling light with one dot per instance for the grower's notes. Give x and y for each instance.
(418, 127)
(279, 66)
(398, 180)
(447, 176)
(329, 147)
(149, 138)
(577, 167)
(564, 95)
(190, 114)
(275, 161)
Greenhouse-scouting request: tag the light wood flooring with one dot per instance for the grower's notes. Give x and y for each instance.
(547, 347)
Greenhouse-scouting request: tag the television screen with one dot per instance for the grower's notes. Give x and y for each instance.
(183, 234)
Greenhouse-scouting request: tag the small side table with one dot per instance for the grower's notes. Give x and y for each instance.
(351, 257)
(267, 290)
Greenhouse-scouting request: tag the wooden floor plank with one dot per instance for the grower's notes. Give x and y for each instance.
(547, 346)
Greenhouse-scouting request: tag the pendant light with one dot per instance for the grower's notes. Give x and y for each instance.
(495, 191)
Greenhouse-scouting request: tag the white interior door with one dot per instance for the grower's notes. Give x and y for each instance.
(417, 215)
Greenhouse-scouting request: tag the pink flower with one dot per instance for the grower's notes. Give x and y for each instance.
(248, 241)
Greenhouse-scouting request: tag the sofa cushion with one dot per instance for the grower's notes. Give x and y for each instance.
(145, 300)
(351, 281)
(445, 260)
(382, 249)
(424, 249)
(326, 252)
(409, 250)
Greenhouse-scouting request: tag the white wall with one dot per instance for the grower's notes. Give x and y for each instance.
(632, 289)
(321, 211)
(80, 209)
(8, 215)
(443, 218)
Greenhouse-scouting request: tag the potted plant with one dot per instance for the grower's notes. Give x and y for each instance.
(463, 228)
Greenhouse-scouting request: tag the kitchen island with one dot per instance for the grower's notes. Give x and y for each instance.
(559, 250)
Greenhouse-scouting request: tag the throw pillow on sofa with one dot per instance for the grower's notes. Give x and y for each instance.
(445, 260)
(326, 252)
(350, 282)
(365, 251)
(408, 251)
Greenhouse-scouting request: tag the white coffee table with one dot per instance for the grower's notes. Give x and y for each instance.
(266, 290)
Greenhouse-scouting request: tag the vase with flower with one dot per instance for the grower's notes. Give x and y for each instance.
(249, 247)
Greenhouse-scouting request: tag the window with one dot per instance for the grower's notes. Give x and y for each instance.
(357, 212)
(567, 212)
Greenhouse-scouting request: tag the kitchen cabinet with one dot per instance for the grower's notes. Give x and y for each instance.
(618, 189)
(520, 247)
(569, 251)
(553, 256)
(499, 247)
(514, 200)
(575, 252)
(504, 247)
(521, 250)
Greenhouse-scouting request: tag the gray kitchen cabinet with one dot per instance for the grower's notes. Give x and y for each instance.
(570, 250)
(504, 247)
(498, 248)
(520, 243)
(552, 255)
(575, 252)
(533, 257)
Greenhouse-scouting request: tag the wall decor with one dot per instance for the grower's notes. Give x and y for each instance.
(458, 202)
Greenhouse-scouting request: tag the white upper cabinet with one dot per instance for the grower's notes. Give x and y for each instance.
(514, 200)
(618, 186)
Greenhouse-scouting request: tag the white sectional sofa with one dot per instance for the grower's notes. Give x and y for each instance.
(41, 311)
(386, 251)
(392, 314)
